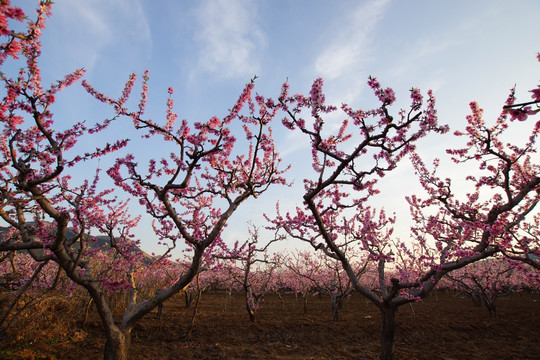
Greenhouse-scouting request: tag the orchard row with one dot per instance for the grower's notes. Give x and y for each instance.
(303, 274)
(217, 165)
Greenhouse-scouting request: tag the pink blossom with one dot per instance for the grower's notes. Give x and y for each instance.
(317, 96)
(214, 122)
(535, 94)
(521, 114)
(416, 97)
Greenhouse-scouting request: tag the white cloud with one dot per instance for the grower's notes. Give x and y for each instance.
(337, 59)
(95, 25)
(353, 40)
(229, 38)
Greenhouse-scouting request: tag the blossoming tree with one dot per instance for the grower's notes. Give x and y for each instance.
(485, 281)
(251, 267)
(335, 218)
(318, 274)
(191, 194)
(338, 217)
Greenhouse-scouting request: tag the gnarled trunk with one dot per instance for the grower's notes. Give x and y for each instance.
(117, 344)
(388, 313)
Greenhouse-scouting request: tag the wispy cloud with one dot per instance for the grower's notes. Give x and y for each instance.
(100, 24)
(352, 40)
(229, 38)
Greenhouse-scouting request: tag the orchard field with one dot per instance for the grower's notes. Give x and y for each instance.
(78, 188)
(443, 326)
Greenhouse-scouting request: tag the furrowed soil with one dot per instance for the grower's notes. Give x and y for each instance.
(444, 326)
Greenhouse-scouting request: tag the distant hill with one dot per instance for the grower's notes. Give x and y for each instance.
(101, 241)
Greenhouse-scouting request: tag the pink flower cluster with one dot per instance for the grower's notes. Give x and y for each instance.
(386, 96)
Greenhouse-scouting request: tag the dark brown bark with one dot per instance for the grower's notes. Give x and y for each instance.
(117, 344)
(388, 313)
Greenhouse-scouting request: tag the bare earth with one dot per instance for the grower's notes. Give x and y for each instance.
(440, 327)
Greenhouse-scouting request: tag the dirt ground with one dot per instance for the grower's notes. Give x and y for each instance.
(440, 327)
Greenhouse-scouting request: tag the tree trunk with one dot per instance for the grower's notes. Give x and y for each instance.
(337, 304)
(388, 312)
(118, 340)
(86, 311)
(281, 304)
(476, 299)
(192, 324)
(250, 305)
(117, 345)
(251, 314)
(489, 302)
(189, 298)
(159, 311)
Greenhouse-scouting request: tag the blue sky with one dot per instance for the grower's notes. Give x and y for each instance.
(208, 50)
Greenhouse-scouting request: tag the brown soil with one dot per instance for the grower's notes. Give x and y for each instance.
(440, 327)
